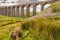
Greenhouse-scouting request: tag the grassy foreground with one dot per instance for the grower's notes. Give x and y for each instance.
(42, 29)
(38, 29)
(5, 26)
(5, 20)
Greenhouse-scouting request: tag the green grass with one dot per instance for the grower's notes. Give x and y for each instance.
(56, 7)
(42, 29)
(5, 31)
(39, 29)
(8, 20)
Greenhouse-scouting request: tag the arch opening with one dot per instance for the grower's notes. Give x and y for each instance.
(31, 10)
(38, 9)
(46, 6)
(25, 11)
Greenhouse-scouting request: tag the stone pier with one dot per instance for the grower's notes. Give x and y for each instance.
(17, 12)
(34, 9)
(28, 11)
(22, 11)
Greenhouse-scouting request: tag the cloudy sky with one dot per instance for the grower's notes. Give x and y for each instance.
(24, 0)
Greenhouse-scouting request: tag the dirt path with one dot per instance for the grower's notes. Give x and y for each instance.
(10, 25)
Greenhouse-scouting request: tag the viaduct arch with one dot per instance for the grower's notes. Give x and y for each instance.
(15, 11)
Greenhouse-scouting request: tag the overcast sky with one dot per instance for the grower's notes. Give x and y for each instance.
(16, 0)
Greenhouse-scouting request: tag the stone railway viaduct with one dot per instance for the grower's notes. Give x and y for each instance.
(14, 11)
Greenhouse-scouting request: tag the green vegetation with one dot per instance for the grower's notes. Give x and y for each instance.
(5, 26)
(38, 29)
(5, 32)
(42, 29)
(4, 20)
(56, 7)
(47, 28)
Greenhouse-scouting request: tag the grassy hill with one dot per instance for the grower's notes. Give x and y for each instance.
(47, 28)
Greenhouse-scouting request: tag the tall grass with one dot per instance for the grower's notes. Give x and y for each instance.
(5, 32)
(56, 7)
(42, 29)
